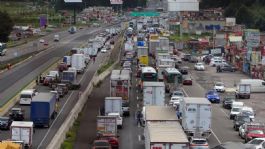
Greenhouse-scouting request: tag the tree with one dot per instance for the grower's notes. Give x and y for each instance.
(6, 26)
(245, 16)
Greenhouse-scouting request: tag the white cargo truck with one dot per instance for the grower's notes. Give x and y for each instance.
(78, 61)
(113, 105)
(154, 93)
(22, 131)
(159, 135)
(159, 114)
(196, 116)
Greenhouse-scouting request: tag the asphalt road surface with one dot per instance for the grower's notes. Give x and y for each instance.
(13, 80)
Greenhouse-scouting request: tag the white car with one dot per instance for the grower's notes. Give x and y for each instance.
(241, 131)
(219, 87)
(199, 66)
(119, 119)
(234, 112)
(42, 40)
(174, 101)
(257, 143)
(103, 50)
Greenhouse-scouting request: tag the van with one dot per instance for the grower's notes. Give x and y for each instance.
(257, 85)
(26, 96)
(56, 38)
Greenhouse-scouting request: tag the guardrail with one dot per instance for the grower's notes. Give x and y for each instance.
(59, 137)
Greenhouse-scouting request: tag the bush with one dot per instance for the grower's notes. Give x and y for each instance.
(104, 67)
(67, 145)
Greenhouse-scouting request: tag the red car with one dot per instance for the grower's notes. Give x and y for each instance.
(254, 133)
(113, 141)
(187, 81)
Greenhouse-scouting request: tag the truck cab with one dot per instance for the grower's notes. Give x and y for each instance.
(62, 89)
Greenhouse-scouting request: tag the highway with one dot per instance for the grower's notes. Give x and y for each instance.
(16, 78)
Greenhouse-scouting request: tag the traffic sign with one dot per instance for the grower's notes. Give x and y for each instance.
(144, 14)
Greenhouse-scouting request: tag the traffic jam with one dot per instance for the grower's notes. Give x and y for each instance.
(38, 107)
(162, 73)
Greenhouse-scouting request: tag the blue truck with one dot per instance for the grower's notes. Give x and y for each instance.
(42, 109)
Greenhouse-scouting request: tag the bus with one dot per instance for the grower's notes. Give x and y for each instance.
(172, 79)
(160, 70)
(148, 74)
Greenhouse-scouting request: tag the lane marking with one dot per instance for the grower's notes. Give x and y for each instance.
(137, 105)
(60, 112)
(216, 136)
(54, 121)
(139, 138)
(225, 113)
(137, 98)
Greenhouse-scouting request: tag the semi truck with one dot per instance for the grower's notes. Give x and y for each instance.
(159, 135)
(22, 131)
(154, 93)
(196, 116)
(42, 109)
(113, 105)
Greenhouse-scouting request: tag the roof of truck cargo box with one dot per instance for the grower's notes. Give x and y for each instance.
(153, 84)
(22, 124)
(120, 75)
(170, 132)
(160, 113)
(196, 100)
(40, 97)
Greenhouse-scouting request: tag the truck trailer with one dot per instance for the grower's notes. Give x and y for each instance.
(159, 135)
(113, 105)
(42, 109)
(154, 93)
(196, 116)
(22, 131)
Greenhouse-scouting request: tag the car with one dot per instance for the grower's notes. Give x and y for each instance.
(119, 119)
(240, 120)
(187, 80)
(257, 143)
(193, 59)
(101, 144)
(104, 50)
(212, 96)
(216, 62)
(16, 114)
(226, 68)
(241, 131)
(219, 87)
(199, 66)
(254, 133)
(248, 111)
(198, 143)
(227, 101)
(174, 101)
(41, 40)
(186, 57)
(125, 108)
(5, 123)
(234, 112)
(46, 43)
(177, 93)
(113, 141)
(184, 70)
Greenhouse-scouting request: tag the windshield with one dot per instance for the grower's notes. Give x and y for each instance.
(236, 109)
(256, 141)
(199, 141)
(3, 119)
(248, 113)
(25, 96)
(219, 84)
(244, 118)
(178, 93)
(260, 132)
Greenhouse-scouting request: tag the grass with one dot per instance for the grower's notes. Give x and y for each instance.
(104, 67)
(71, 134)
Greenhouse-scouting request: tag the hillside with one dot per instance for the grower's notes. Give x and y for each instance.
(248, 12)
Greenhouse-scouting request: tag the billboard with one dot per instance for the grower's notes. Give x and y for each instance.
(183, 5)
(116, 2)
(73, 1)
(230, 21)
(252, 36)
